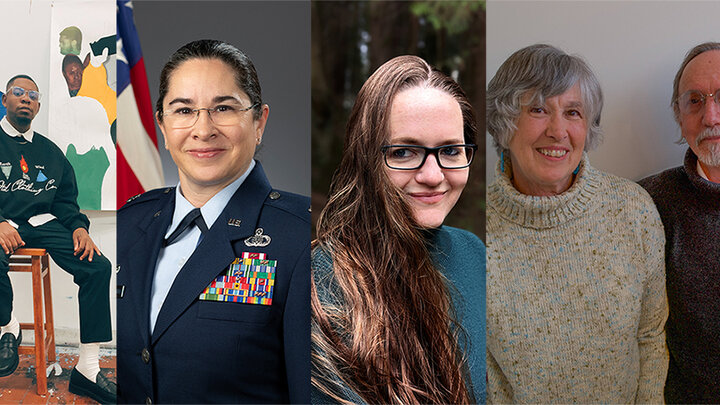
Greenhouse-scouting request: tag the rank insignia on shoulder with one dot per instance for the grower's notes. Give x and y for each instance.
(249, 279)
(258, 240)
(132, 198)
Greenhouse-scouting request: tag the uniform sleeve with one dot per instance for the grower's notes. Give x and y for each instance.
(296, 331)
(64, 205)
(651, 330)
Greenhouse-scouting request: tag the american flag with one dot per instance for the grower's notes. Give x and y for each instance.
(138, 161)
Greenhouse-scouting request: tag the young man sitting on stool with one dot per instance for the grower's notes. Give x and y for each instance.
(38, 208)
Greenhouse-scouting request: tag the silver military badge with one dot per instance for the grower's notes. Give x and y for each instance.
(258, 239)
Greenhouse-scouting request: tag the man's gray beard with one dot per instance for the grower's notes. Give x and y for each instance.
(709, 153)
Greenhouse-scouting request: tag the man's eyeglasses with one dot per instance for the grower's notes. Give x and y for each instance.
(411, 157)
(693, 101)
(222, 115)
(19, 92)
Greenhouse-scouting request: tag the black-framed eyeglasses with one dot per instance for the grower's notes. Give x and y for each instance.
(18, 91)
(693, 101)
(411, 157)
(222, 115)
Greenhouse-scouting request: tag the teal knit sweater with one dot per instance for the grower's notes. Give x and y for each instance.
(460, 256)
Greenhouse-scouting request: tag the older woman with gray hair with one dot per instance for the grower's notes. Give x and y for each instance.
(576, 302)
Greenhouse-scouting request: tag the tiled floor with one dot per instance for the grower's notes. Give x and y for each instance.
(20, 388)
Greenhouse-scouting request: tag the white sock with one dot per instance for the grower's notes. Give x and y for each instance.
(89, 361)
(13, 327)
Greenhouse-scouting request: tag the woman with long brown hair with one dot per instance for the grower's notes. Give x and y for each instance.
(398, 299)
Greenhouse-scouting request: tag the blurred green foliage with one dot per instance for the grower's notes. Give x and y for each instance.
(453, 16)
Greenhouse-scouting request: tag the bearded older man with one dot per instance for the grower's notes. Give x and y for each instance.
(688, 199)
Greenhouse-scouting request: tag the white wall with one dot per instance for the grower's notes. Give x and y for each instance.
(634, 48)
(25, 29)
(26, 48)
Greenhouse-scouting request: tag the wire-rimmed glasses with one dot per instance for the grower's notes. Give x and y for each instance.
(693, 101)
(222, 115)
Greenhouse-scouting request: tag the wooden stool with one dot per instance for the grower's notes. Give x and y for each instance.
(44, 350)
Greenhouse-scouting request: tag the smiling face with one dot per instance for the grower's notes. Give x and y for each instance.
(430, 118)
(209, 156)
(21, 110)
(701, 129)
(548, 143)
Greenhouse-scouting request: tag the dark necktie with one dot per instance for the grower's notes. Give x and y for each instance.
(193, 217)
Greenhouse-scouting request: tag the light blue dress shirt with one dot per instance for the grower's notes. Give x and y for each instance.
(172, 258)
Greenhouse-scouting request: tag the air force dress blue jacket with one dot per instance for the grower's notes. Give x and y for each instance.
(254, 347)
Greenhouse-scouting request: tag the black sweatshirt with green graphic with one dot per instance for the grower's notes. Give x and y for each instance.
(36, 178)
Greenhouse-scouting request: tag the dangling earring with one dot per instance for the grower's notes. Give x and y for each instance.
(502, 162)
(577, 169)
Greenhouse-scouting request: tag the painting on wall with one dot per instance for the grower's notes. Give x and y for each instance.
(82, 96)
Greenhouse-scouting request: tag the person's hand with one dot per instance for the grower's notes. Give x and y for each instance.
(10, 239)
(84, 244)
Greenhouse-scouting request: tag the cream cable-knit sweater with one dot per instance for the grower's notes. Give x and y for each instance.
(576, 302)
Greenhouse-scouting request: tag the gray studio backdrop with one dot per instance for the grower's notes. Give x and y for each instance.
(276, 36)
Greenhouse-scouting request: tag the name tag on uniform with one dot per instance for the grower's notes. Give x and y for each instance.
(250, 279)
